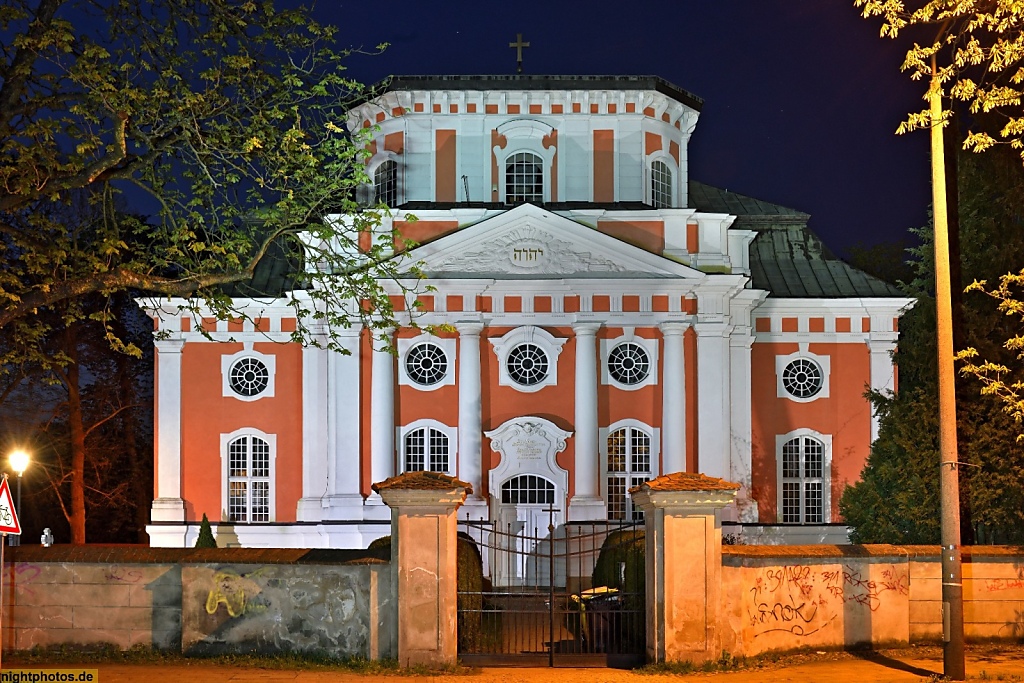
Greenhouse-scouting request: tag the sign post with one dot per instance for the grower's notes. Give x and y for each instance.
(9, 524)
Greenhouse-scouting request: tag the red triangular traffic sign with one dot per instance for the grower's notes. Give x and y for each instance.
(9, 523)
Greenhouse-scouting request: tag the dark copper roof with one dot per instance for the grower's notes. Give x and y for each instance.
(786, 257)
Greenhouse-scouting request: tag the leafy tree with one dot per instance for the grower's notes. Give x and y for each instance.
(975, 48)
(224, 115)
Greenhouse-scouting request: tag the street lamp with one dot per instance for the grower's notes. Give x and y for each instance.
(18, 460)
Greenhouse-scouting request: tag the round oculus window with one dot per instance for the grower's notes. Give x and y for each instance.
(527, 364)
(426, 364)
(802, 378)
(249, 377)
(629, 363)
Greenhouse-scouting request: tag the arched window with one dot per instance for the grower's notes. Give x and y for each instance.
(628, 464)
(249, 469)
(528, 489)
(427, 449)
(661, 185)
(385, 182)
(803, 479)
(524, 178)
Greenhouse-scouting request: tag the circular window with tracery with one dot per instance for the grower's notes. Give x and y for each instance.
(527, 364)
(629, 363)
(249, 377)
(802, 378)
(426, 364)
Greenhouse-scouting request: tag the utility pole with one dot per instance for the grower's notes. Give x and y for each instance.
(949, 474)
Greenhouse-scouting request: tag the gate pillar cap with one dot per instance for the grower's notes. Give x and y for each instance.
(687, 489)
(422, 488)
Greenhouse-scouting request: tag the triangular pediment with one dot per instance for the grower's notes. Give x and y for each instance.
(529, 242)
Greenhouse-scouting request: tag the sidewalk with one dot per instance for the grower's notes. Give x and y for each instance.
(988, 662)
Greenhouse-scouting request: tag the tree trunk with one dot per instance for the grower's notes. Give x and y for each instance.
(76, 517)
(141, 477)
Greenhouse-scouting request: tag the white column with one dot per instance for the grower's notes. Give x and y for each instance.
(741, 467)
(344, 410)
(883, 372)
(382, 415)
(586, 503)
(314, 431)
(673, 402)
(470, 427)
(713, 405)
(168, 505)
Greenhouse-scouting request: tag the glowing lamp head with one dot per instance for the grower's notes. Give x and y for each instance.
(19, 461)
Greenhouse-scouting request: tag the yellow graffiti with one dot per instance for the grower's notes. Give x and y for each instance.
(230, 590)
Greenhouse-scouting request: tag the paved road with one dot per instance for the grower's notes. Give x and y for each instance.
(914, 664)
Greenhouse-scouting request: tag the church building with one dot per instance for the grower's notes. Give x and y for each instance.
(602, 318)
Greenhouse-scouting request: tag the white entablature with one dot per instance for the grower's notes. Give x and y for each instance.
(528, 241)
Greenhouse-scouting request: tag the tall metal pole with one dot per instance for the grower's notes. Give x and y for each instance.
(14, 539)
(949, 477)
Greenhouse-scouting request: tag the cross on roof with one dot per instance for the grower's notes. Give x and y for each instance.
(519, 45)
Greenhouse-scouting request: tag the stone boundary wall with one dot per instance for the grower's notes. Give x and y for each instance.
(200, 601)
(779, 598)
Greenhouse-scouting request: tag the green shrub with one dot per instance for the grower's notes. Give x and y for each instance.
(205, 538)
(380, 543)
(626, 547)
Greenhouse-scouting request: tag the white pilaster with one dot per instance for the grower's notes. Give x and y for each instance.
(314, 439)
(382, 415)
(168, 505)
(713, 407)
(741, 462)
(586, 503)
(343, 500)
(673, 403)
(883, 372)
(470, 427)
(741, 341)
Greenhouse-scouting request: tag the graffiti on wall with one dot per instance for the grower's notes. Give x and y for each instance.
(801, 599)
(234, 591)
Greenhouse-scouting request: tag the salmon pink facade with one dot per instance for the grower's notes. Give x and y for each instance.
(603, 319)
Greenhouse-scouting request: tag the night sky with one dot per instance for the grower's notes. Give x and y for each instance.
(802, 98)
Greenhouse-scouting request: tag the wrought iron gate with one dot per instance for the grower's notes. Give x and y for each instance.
(547, 600)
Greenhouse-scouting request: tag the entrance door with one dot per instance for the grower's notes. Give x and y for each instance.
(527, 507)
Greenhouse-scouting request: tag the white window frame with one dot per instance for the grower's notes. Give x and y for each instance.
(824, 362)
(227, 361)
(501, 489)
(544, 173)
(649, 345)
(653, 433)
(667, 159)
(826, 473)
(394, 180)
(371, 170)
(453, 442)
(446, 344)
(225, 440)
(548, 343)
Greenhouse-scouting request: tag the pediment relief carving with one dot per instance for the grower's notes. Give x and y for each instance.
(528, 250)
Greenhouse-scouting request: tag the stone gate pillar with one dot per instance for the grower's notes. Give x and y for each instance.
(424, 563)
(682, 513)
